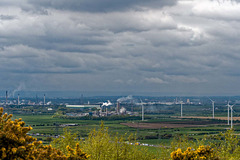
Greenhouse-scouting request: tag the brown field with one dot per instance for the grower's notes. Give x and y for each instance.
(158, 125)
(179, 124)
(164, 125)
(220, 118)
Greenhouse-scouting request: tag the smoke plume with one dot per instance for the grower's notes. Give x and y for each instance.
(19, 88)
(107, 103)
(122, 99)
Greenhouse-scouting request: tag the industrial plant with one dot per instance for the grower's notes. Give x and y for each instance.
(115, 106)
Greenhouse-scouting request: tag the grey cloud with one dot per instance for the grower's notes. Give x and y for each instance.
(215, 9)
(12, 3)
(7, 17)
(185, 79)
(139, 45)
(24, 59)
(155, 80)
(100, 5)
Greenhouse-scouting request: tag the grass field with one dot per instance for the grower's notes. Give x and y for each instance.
(159, 130)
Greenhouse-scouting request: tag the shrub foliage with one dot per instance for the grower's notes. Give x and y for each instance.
(101, 146)
(16, 144)
(202, 153)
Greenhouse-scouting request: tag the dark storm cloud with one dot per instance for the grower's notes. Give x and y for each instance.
(100, 5)
(132, 45)
(7, 17)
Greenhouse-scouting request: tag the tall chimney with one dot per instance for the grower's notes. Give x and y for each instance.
(118, 107)
(36, 98)
(6, 96)
(18, 100)
(132, 106)
(44, 99)
(82, 99)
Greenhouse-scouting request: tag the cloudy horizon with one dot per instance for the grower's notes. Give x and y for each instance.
(168, 47)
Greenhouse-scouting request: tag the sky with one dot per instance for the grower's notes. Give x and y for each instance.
(164, 47)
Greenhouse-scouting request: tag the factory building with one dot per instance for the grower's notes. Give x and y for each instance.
(84, 106)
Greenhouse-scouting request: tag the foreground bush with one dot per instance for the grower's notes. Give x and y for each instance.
(202, 153)
(16, 144)
(223, 146)
(101, 146)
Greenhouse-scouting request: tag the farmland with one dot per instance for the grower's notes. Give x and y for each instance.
(162, 122)
(152, 131)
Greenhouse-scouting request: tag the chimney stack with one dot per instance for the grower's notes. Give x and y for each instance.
(118, 107)
(44, 99)
(6, 97)
(18, 100)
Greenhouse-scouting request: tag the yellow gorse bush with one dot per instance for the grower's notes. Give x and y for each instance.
(16, 144)
(202, 153)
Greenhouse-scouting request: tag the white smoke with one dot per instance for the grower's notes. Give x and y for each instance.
(107, 103)
(122, 99)
(19, 88)
(123, 110)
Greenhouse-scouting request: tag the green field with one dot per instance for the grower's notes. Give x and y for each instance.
(45, 125)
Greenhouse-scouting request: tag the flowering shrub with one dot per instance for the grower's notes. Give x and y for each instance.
(102, 146)
(16, 144)
(202, 153)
